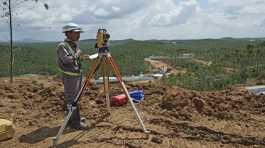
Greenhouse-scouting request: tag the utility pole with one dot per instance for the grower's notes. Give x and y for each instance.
(11, 41)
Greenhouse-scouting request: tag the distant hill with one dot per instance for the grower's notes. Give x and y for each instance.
(92, 41)
(231, 61)
(88, 40)
(28, 40)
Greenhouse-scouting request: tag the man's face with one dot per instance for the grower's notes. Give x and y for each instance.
(73, 36)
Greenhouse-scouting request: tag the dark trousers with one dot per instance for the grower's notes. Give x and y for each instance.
(72, 85)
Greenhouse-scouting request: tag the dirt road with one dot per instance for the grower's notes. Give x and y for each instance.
(162, 65)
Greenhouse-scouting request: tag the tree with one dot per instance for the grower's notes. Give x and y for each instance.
(7, 9)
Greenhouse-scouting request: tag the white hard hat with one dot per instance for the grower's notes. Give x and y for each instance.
(72, 27)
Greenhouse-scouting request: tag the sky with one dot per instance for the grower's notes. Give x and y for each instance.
(137, 19)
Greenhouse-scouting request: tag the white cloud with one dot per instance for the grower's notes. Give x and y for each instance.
(143, 19)
(101, 12)
(169, 13)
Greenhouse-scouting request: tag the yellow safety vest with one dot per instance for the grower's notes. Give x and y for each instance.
(67, 72)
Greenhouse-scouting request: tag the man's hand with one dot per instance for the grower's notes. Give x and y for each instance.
(81, 55)
(78, 53)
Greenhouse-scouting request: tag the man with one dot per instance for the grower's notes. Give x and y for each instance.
(68, 53)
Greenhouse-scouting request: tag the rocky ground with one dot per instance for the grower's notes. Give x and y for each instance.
(176, 117)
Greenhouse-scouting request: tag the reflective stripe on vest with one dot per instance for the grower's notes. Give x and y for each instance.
(70, 49)
(67, 45)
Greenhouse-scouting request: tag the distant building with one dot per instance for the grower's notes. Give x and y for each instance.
(157, 57)
(185, 56)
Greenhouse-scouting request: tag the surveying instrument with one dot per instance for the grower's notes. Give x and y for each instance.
(104, 58)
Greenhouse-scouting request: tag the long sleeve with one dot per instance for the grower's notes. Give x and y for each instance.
(64, 56)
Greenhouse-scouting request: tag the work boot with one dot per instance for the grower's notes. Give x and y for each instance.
(83, 119)
(80, 126)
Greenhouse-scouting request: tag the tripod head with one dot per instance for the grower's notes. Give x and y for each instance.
(102, 41)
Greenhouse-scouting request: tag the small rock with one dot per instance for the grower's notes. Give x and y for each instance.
(157, 140)
(104, 124)
(131, 145)
(99, 101)
(6, 129)
(199, 104)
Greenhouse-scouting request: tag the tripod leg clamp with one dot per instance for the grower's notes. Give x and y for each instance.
(71, 107)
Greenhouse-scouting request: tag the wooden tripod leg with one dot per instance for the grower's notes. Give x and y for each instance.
(106, 82)
(89, 76)
(119, 77)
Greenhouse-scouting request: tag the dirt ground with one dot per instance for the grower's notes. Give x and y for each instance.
(176, 117)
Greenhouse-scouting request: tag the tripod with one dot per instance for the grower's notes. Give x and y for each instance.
(103, 59)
